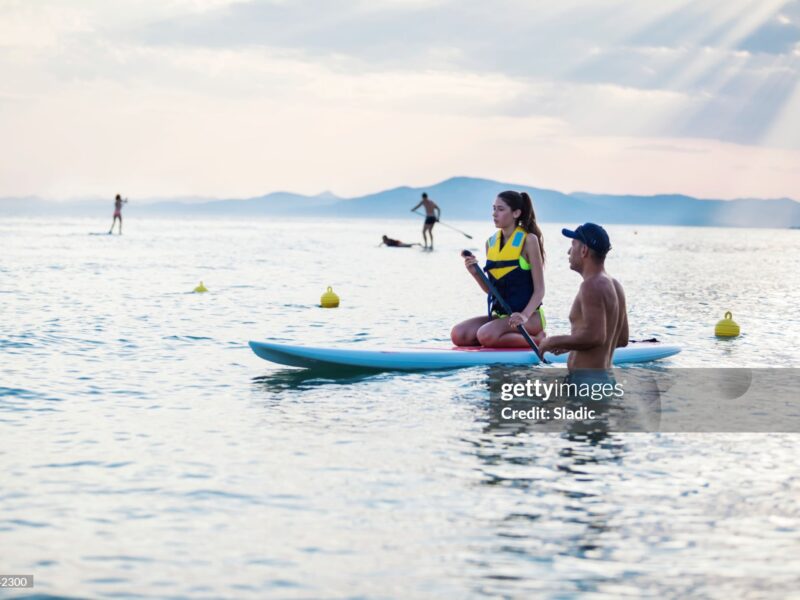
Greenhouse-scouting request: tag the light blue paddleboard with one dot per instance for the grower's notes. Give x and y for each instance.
(420, 359)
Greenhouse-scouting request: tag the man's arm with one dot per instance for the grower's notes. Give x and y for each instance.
(622, 339)
(592, 330)
(438, 211)
(417, 206)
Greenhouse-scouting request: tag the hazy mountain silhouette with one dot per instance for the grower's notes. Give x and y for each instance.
(459, 198)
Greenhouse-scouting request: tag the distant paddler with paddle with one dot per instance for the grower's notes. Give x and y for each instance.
(514, 272)
(432, 214)
(118, 202)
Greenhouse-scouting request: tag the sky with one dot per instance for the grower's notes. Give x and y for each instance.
(227, 98)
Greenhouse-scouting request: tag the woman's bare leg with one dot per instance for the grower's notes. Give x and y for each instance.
(466, 332)
(498, 334)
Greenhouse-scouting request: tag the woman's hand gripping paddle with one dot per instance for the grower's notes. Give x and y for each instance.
(506, 307)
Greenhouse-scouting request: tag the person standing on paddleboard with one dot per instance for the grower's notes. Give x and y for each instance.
(118, 202)
(598, 318)
(515, 266)
(432, 214)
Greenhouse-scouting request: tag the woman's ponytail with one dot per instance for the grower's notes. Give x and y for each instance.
(528, 221)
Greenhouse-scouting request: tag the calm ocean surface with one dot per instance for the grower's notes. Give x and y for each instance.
(146, 452)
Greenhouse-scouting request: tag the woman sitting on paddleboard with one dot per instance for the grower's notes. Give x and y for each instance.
(515, 261)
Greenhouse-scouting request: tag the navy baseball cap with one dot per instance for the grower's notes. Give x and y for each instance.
(591, 234)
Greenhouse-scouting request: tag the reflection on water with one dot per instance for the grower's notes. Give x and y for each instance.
(553, 509)
(298, 379)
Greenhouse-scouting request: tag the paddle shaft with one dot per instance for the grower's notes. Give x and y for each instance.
(506, 307)
(450, 226)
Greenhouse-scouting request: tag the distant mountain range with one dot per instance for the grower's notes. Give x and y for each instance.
(458, 197)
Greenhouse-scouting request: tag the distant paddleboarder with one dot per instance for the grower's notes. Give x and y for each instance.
(515, 266)
(432, 214)
(598, 316)
(118, 202)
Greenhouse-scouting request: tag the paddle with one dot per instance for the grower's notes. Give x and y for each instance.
(506, 307)
(446, 225)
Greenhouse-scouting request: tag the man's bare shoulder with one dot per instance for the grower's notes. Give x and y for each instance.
(618, 286)
(593, 292)
(619, 292)
(600, 284)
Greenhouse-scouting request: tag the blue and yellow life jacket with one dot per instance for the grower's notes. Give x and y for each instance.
(509, 272)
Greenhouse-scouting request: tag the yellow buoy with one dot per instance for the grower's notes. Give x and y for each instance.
(329, 299)
(200, 288)
(727, 327)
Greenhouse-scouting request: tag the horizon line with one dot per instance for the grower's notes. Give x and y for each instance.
(205, 199)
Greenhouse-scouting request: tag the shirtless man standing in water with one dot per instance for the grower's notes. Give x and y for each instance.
(598, 316)
(432, 214)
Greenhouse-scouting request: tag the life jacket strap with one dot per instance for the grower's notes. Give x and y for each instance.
(499, 264)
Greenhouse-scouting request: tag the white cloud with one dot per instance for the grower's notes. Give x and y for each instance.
(286, 94)
(28, 25)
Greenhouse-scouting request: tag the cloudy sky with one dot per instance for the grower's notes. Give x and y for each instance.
(233, 98)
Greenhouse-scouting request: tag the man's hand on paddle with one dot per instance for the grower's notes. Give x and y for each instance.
(546, 345)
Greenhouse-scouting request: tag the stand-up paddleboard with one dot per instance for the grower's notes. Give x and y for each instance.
(413, 359)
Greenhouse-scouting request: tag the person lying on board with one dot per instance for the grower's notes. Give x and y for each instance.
(515, 266)
(395, 243)
(598, 317)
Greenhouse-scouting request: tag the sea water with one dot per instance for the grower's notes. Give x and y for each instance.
(145, 451)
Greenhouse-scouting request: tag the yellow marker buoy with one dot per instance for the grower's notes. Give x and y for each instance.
(727, 327)
(329, 299)
(200, 288)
